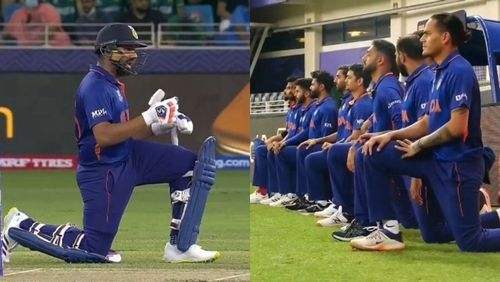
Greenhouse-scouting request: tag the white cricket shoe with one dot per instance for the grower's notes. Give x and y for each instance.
(338, 218)
(194, 254)
(12, 219)
(256, 197)
(284, 200)
(276, 197)
(379, 240)
(326, 212)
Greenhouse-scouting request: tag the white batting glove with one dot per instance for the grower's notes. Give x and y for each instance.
(184, 124)
(162, 112)
(161, 128)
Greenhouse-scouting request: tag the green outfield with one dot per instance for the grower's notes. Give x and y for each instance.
(53, 197)
(287, 246)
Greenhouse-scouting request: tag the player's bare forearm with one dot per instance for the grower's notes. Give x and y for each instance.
(414, 131)
(143, 134)
(332, 138)
(109, 134)
(274, 138)
(455, 128)
(354, 135)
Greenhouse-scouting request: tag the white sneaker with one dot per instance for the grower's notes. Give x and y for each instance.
(12, 219)
(284, 200)
(256, 197)
(276, 197)
(194, 254)
(326, 212)
(337, 218)
(379, 240)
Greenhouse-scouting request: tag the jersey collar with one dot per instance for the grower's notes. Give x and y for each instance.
(416, 73)
(100, 71)
(448, 59)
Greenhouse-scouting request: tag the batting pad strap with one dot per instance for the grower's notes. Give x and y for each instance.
(58, 235)
(175, 224)
(180, 196)
(37, 243)
(36, 227)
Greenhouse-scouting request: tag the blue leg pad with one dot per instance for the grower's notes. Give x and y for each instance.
(41, 244)
(203, 179)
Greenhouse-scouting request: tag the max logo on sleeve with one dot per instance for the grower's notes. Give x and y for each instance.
(99, 113)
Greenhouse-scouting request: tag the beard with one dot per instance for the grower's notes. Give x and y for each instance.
(314, 94)
(403, 70)
(370, 68)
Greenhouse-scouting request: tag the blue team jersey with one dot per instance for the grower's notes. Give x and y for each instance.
(387, 95)
(359, 111)
(455, 86)
(342, 119)
(100, 98)
(292, 120)
(302, 133)
(418, 90)
(324, 119)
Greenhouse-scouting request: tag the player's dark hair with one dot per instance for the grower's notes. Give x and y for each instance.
(357, 70)
(325, 78)
(452, 24)
(304, 83)
(418, 33)
(291, 79)
(389, 52)
(344, 69)
(411, 46)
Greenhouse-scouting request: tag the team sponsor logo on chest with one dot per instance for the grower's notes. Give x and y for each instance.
(434, 106)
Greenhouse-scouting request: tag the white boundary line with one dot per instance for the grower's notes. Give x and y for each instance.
(231, 277)
(24, 271)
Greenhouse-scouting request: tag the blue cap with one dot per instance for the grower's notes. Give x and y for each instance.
(117, 34)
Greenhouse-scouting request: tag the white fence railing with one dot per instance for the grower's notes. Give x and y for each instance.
(168, 35)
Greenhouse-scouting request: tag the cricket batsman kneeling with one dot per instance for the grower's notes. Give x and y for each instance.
(112, 161)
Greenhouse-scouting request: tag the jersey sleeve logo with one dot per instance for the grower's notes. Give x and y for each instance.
(462, 96)
(99, 113)
(393, 103)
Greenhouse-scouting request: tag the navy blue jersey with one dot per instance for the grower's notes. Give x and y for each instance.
(418, 90)
(455, 86)
(100, 98)
(342, 119)
(359, 111)
(324, 119)
(303, 131)
(292, 120)
(387, 95)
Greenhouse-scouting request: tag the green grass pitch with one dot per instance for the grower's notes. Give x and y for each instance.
(53, 197)
(287, 246)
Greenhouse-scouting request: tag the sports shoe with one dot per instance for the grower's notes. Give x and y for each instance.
(12, 219)
(353, 231)
(283, 200)
(326, 212)
(299, 204)
(313, 208)
(379, 240)
(194, 254)
(256, 197)
(276, 197)
(338, 218)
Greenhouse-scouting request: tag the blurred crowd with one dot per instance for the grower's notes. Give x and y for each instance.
(76, 22)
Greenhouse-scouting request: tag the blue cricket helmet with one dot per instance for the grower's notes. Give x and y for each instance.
(115, 35)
